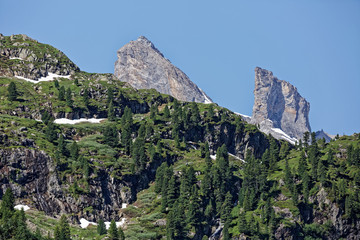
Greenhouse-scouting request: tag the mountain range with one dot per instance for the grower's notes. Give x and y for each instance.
(148, 150)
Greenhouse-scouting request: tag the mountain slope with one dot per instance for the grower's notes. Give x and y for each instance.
(143, 66)
(166, 168)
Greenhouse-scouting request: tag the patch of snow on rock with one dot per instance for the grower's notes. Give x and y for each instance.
(20, 206)
(75, 121)
(16, 58)
(207, 100)
(124, 205)
(85, 223)
(236, 157)
(213, 157)
(49, 77)
(118, 224)
(284, 136)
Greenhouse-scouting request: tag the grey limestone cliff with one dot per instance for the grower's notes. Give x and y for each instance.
(143, 66)
(279, 101)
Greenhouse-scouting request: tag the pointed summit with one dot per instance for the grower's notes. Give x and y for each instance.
(279, 105)
(143, 66)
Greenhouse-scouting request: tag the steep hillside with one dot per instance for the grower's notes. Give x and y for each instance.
(162, 168)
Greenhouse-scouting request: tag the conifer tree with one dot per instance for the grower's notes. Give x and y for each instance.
(74, 151)
(68, 97)
(62, 93)
(302, 168)
(85, 97)
(225, 232)
(62, 145)
(7, 205)
(12, 92)
(242, 222)
(171, 191)
(121, 234)
(321, 172)
(56, 84)
(111, 135)
(166, 112)
(111, 112)
(50, 132)
(101, 228)
(57, 234)
(64, 228)
(211, 111)
(226, 208)
(110, 95)
(113, 233)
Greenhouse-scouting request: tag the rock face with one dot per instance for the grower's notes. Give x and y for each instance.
(279, 101)
(143, 66)
(23, 56)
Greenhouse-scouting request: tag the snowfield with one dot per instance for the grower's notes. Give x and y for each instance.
(75, 121)
(20, 206)
(85, 223)
(49, 77)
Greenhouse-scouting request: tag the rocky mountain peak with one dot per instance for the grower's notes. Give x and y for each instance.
(280, 102)
(143, 66)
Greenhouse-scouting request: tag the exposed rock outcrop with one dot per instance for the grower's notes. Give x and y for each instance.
(279, 101)
(143, 66)
(22, 56)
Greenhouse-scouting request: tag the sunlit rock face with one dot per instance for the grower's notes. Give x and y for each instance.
(280, 102)
(144, 67)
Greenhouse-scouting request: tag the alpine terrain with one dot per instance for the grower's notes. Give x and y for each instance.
(139, 155)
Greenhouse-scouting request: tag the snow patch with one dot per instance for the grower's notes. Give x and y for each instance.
(15, 58)
(284, 136)
(20, 206)
(85, 223)
(49, 77)
(236, 157)
(124, 205)
(118, 224)
(213, 157)
(207, 99)
(75, 121)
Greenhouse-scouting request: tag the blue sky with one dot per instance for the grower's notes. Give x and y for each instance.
(313, 44)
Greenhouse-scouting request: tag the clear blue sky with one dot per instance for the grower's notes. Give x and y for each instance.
(313, 44)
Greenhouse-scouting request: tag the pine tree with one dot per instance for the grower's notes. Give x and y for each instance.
(306, 140)
(305, 186)
(166, 112)
(64, 228)
(110, 95)
(321, 172)
(62, 145)
(62, 93)
(57, 234)
(111, 135)
(302, 168)
(85, 97)
(348, 206)
(284, 150)
(12, 92)
(242, 222)
(171, 191)
(50, 132)
(121, 234)
(56, 84)
(74, 151)
(211, 111)
(225, 232)
(111, 112)
(7, 205)
(226, 208)
(113, 233)
(68, 97)
(101, 228)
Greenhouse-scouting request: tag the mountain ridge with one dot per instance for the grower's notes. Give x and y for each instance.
(142, 65)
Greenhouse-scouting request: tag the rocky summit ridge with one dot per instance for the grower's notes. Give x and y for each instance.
(279, 105)
(143, 66)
